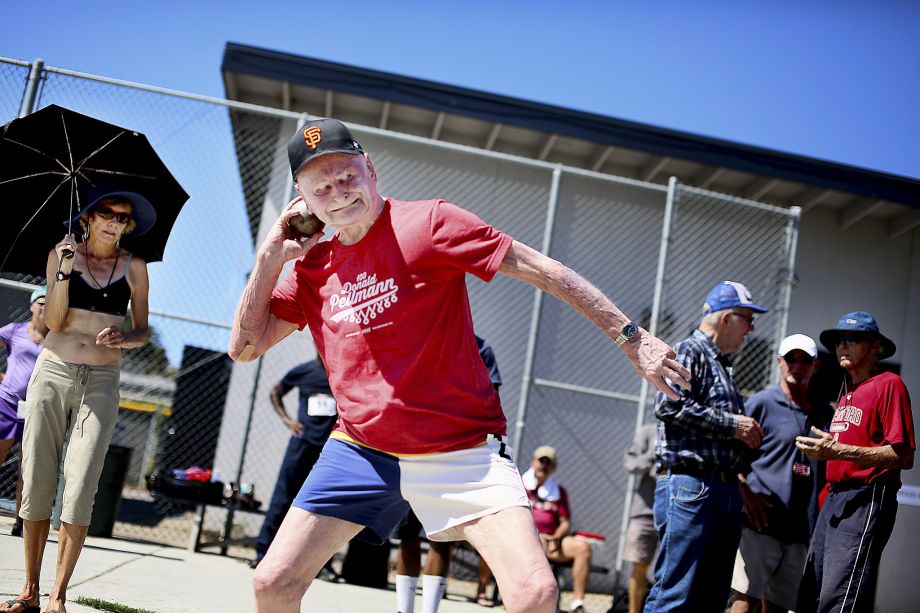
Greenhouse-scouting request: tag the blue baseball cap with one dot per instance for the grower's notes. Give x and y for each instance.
(730, 294)
(860, 322)
(39, 292)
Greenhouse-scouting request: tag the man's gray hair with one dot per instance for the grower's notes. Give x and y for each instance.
(712, 319)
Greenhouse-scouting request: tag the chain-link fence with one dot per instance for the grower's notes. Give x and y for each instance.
(654, 249)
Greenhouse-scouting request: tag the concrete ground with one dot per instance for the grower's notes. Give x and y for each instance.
(171, 580)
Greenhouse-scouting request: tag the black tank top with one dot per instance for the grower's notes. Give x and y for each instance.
(111, 299)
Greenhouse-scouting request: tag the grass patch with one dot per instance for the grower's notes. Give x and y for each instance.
(105, 605)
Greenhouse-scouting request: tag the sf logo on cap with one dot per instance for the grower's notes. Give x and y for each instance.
(312, 136)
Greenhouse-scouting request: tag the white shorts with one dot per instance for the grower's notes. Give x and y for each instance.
(767, 568)
(376, 489)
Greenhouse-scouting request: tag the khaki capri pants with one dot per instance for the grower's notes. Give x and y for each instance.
(72, 409)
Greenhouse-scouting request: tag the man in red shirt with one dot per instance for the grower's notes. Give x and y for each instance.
(419, 421)
(871, 440)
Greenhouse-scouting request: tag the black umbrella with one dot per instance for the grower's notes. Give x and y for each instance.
(51, 160)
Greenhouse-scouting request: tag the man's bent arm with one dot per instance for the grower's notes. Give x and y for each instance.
(255, 329)
(888, 456)
(823, 446)
(651, 357)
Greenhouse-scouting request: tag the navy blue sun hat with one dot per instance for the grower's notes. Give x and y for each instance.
(142, 211)
(728, 295)
(860, 322)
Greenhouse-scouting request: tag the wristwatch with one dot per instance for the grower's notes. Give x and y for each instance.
(629, 333)
(62, 276)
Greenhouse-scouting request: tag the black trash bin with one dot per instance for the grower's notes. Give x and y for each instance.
(108, 496)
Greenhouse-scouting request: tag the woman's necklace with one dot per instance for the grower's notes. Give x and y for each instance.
(89, 269)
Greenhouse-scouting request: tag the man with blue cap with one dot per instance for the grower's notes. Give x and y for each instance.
(871, 440)
(703, 437)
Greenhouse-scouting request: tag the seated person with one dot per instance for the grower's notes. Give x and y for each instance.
(550, 506)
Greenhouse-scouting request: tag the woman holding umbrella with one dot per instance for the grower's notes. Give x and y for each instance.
(73, 394)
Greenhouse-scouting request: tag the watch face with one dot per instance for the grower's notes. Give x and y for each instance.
(630, 330)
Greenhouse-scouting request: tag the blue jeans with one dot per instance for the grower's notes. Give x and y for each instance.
(698, 520)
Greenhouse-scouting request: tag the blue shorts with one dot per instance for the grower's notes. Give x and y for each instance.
(376, 489)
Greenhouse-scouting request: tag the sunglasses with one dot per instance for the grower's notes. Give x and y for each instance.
(744, 316)
(804, 359)
(107, 214)
(40, 303)
(851, 338)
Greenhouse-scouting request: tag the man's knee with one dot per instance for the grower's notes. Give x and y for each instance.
(639, 570)
(278, 585)
(537, 592)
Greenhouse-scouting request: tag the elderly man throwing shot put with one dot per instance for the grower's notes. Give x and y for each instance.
(419, 421)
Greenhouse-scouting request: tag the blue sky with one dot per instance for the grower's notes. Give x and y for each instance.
(834, 80)
(837, 80)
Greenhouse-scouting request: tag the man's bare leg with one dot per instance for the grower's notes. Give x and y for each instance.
(638, 587)
(409, 557)
(485, 578)
(508, 542)
(303, 544)
(408, 566)
(743, 603)
(438, 560)
(35, 535)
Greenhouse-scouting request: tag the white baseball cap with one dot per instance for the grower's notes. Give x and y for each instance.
(800, 342)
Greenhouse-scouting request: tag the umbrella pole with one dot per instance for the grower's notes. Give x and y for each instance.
(35, 76)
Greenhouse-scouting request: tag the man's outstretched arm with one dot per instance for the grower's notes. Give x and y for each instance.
(652, 358)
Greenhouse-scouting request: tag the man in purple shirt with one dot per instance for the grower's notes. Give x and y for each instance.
(24, 340)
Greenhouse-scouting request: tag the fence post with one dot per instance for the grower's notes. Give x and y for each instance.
(151, 444)
(653, 330)
(35, 77)
(788, 281)
(527, 375)
(228, 523)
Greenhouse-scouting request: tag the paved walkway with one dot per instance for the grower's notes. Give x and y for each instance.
(169, 580)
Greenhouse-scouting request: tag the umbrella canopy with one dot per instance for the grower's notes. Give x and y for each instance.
(50, 163)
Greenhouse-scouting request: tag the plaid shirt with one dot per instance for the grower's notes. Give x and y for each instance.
(697, 431)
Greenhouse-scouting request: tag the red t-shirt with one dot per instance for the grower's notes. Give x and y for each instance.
(546, 514)
(874, 414)
(391, 317)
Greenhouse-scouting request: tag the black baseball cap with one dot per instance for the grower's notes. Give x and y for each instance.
(318, 137)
